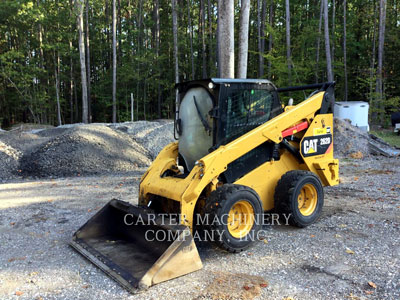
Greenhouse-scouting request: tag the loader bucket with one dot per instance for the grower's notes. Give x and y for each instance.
(129, 245)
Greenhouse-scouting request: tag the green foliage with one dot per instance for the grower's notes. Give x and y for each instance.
(388, 136)
(33, 34)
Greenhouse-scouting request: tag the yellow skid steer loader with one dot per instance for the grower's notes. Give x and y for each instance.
(240, 152)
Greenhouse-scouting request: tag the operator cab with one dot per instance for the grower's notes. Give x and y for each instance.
(214, 112)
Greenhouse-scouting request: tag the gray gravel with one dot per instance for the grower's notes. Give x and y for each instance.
(356, 241)
(82, 149)
(349, 139)
(101, 148)
(9, 158)
(85, 150)
(153, 136)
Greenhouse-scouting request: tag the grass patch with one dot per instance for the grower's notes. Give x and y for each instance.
(389, 137)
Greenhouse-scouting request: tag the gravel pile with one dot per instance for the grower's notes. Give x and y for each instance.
(85, 149)
(101, 148)
(74, 149)
(153, 136)
(8, 161)
(349, 140)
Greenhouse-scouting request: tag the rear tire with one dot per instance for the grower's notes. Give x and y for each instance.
(299, 194)
(237, 211)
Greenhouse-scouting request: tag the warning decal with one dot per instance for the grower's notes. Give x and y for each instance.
(315, 145)
(321, 131)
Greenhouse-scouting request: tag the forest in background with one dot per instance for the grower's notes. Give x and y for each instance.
(42, 42)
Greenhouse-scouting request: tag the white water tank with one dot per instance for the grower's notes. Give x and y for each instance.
(355, 111)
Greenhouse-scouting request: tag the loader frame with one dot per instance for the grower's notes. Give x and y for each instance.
(254, 157)
(308, 121)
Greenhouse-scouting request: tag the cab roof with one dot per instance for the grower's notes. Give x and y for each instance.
(240, 80)
(219, 81)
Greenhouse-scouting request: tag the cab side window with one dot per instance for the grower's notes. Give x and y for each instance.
(246, 110)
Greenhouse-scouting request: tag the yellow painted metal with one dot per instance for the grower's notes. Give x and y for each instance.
(324, 165)
(307, 199)
(263, 179)
(240, 219)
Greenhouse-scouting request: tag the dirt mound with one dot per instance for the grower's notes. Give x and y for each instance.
(349, 139)
(8, 161)
(84, 149)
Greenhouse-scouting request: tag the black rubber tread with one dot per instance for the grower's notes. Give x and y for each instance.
(216, 206)
(285, 197)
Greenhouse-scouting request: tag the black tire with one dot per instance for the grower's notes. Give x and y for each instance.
(287, 192)
(218, 205)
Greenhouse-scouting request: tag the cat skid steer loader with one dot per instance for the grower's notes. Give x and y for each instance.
(239, 153)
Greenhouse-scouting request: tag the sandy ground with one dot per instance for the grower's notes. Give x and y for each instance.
(352, 252)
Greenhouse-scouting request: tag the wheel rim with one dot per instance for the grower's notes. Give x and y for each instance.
(307, 199)
(240, 219)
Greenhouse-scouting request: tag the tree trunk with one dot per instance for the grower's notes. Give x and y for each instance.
(76, 102)
(345, 50)
(243, 39)
(318, 42)
(71, 84)
(333, 35)
(114, 63)
(71, 69)
(79, 6)
(57, 85)
(107, 30)
(87, 46)
(144, 100)
(157, 40)
(217, 40)
(288, 52)
(138, 53)
(263, 17)
(226, 54)
(260, 54)
(373, 57)
(203, 38)
(40, 41)
(379, 73)
(270, 41)
(190, 37)
(119, 31)
(327, 43)
(210, 38)
(175, 36)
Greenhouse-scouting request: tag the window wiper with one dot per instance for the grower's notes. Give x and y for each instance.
(203, 121)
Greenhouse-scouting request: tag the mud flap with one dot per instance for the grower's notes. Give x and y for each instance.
(135, 248)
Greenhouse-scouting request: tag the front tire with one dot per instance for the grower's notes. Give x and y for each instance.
(234, 215)
(299, 194)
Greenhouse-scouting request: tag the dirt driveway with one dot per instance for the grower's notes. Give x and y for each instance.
(352, 252)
